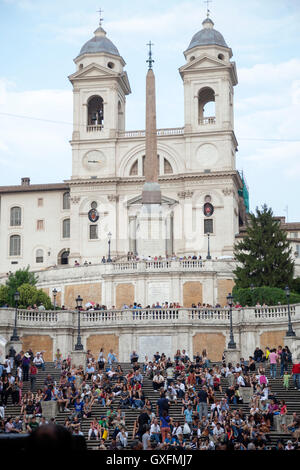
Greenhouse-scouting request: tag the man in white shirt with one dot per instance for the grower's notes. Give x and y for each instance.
(39, 361)
(155, 429)
(240, 380)
(218, 432)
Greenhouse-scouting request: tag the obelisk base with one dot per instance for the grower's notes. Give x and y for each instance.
(151, 231)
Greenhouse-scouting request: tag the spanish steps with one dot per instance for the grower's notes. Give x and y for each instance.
(291, 397)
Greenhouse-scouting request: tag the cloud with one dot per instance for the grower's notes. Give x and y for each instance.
(35, 146)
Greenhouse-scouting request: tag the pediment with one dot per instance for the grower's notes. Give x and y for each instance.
(164, 200)
(91, 71)
(203, 62)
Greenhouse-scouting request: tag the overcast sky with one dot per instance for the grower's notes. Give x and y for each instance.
(40, 38)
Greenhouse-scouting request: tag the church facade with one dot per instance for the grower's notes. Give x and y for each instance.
(204, 198)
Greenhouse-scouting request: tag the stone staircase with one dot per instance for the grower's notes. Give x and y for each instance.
(291, 397)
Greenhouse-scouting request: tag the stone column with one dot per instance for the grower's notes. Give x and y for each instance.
(293, 343)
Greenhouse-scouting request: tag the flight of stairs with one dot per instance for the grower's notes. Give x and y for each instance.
(291, 397)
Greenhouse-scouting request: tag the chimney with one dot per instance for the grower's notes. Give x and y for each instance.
(25, 181)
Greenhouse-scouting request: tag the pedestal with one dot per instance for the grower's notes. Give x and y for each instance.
(246, 394)
(17, 345)
(277, 425)
(293, 343)
(49, 409)
(78, 358)
(151, 231)
(232, 355)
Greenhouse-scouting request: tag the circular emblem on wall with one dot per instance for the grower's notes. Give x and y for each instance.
(208, 209)
(93, 215)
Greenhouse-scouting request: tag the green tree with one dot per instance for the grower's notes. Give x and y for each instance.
(264, 254)
(17, 279)
(263, 295)
(3, 295)
(30, 295)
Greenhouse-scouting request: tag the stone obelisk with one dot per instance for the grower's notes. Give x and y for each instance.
(151, 238)
(151, 190)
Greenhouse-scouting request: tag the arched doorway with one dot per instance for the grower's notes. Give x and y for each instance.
(63, 256)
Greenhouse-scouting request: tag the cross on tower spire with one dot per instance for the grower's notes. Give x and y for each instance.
(150, 60)
(100, 11)
(207, 6)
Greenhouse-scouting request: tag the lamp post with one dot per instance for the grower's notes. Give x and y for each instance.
(252, 292)
(208, 248)
(231, 344)
(109, 235)
(78, 345)
(15, 336)
(290, 331)
(54, 292)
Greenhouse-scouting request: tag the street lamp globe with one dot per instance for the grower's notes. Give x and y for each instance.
(78, 302)
(17, 296)
(287, 291)
(230, 300)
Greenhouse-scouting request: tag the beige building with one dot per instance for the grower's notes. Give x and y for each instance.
(49, 227)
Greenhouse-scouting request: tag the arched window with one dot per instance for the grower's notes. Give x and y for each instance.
(66, 228)
(164, 167)
(15, 216)
(15, 245)
(206, 106)
(95, 111)
(167, 167)
(66, 200)
(39, 256)
(134, 169)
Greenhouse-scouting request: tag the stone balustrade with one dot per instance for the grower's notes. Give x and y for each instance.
(207, 120)
(205, 316)
(160, 132)
(152, 329)
(96, 128)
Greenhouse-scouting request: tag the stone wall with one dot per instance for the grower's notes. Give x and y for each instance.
(192, 293)
(88, 292)
(224, 287)
(107, 342)
(124, 294)
(272, 339)
(39, 343)
(214, 343)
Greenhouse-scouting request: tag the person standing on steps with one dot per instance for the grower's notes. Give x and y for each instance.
(296, 375)
(11, 356)
(33, 374)
(25, 366)
(273, 358)
(283, 362)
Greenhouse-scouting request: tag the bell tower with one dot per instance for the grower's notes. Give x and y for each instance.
(208, 79)
(100, 87)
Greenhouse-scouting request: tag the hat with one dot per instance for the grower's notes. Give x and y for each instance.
(27, 355)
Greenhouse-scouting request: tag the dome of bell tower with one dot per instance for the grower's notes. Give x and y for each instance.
(207, 36)
(99, 43)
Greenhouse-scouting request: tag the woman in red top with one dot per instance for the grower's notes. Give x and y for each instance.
(283, 413)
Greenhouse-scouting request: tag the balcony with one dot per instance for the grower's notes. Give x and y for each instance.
(96, 128)
(207, 120)
(159, 132)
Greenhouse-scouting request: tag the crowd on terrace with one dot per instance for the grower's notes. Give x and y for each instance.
(206, 396)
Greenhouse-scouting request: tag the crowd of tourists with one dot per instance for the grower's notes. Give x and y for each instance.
(210, 416)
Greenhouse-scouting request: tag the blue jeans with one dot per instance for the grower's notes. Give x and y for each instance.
(296, 378)
(273, 369)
